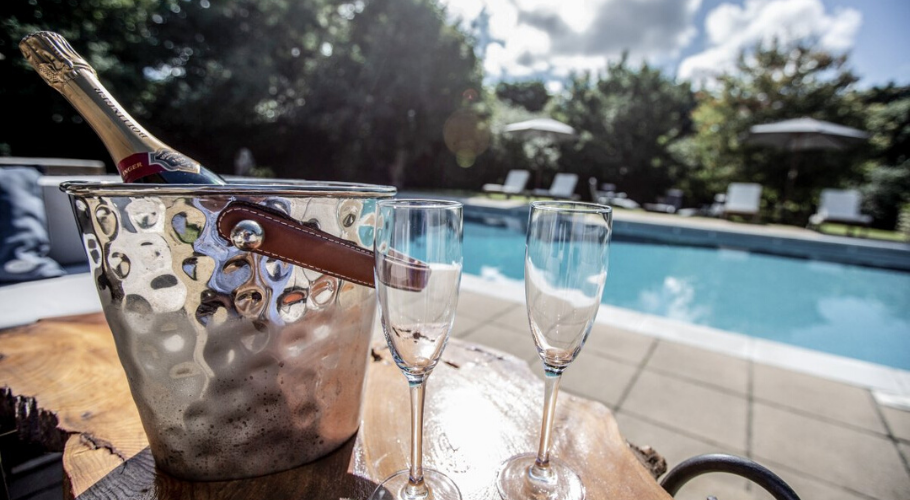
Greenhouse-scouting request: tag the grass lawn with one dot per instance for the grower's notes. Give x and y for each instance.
(875, 234)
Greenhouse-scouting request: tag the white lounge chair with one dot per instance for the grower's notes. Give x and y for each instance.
(607, 195)
(668, 204)
(516, 180)
(743, 198)
(841, 206)
(563, 187)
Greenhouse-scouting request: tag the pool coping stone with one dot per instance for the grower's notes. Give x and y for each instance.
(890, 386)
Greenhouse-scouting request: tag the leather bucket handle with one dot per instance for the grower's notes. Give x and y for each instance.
(268, 232)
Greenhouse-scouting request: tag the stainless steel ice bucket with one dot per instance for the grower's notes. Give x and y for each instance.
(241, 362)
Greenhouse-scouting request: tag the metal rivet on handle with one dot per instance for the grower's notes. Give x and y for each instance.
(247, 235)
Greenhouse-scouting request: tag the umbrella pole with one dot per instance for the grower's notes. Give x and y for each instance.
(792, 174)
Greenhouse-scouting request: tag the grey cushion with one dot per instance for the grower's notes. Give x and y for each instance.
(23, 232)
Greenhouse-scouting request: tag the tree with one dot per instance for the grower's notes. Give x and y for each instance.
(771, 83)
(322, 89)
(531, 95)
(888, 169)
(506, 152)
(627, 119)
(403, 72)
(115, 37)
(207, 79)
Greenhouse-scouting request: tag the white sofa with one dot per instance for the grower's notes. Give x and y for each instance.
(73, 293)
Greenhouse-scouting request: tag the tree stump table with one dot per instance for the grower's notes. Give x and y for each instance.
(65, 387)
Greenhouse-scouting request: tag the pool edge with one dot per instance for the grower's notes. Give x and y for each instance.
(890, 386)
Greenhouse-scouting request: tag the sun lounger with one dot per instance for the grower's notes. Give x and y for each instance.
(743, 198)
(563, 187)
(668, 204)
(607, 195)
(841, 206)
(516, 180)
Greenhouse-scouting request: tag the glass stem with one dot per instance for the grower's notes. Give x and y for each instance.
(541, 468)
(416, 487)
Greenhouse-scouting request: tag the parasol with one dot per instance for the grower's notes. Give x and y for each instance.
(545, 130)
(803, 134)
(541, 127)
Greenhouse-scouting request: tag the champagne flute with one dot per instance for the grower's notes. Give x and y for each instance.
(566, 261)
(418, 271)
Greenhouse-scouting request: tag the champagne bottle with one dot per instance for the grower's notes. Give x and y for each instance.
(140, 156)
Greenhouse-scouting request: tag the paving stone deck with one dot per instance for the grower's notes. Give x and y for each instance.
(829, 440)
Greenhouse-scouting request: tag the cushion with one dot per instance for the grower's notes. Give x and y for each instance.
(23, 231)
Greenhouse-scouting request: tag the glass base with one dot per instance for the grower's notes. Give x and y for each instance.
(439, 487)
(518, 481)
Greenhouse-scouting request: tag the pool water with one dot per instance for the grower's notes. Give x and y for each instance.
(852, 311)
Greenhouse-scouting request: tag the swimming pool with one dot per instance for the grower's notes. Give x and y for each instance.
(857, 312)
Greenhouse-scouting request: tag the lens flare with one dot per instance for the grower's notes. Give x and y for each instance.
(466, 136)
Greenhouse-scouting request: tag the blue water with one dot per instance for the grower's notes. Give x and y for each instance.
(851, 311)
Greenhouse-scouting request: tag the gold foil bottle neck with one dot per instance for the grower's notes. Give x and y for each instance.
(53, 58)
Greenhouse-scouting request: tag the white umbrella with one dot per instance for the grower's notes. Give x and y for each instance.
(541, 127)
(546, 130)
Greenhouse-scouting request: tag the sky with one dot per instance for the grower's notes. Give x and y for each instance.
(691, 39)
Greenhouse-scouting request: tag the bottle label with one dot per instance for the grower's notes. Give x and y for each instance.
(139, 165)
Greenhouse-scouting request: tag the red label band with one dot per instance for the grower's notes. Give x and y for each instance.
(139, 165)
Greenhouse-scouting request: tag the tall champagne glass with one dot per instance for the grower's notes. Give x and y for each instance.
(418, 271)
(566, 261)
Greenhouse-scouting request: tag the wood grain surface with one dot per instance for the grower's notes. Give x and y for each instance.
(482, 407)
(68, 369)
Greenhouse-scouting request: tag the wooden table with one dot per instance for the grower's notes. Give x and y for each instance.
(64, 383)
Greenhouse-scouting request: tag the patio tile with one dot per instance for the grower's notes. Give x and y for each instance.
(673, 445)
(722, 486)
(613, 342)
(464, 325)
(504, 340)
(515, 318)
(620, 344)
(806, 488)
(701, 365)
(475, 305)
(854, 459)
(596, 377)
(825, 398)
(898, 422)
(713, 415)
(675, 448)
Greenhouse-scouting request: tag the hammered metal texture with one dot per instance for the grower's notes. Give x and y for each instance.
(240, 365)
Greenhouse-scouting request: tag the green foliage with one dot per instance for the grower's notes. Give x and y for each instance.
(387, 91)
(317, 88)
(403, 74)
(903, 222)
(774, 83)
(885, 194)
(888, 120)
(531, 95)
(863, 232)
(116, 36)
(506, 152)
(629, 120)
(888, 169)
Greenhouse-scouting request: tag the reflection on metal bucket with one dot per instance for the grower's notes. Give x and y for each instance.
(240, 364)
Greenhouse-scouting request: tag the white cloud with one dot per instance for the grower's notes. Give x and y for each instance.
(555, 37)
(731, 28)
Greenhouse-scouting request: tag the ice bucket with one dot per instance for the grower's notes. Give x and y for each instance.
(241, 330)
